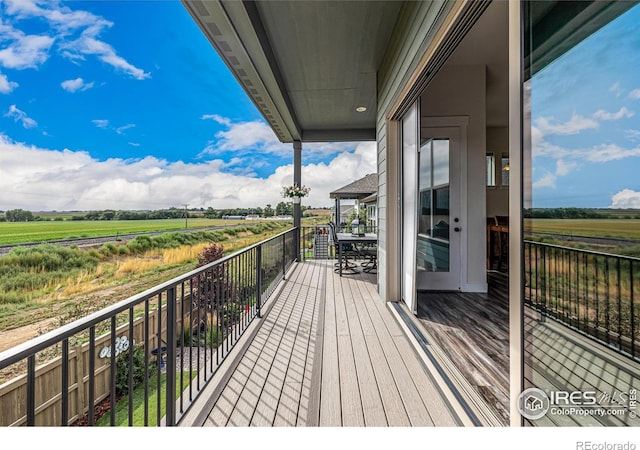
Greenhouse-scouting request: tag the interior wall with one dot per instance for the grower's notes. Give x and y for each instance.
(498, 197)
(461, 91)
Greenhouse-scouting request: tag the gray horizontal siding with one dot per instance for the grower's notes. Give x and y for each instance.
(411, 37)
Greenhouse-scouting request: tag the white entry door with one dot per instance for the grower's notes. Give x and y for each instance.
(440, 224)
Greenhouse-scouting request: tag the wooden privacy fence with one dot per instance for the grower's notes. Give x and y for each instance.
(48, 387)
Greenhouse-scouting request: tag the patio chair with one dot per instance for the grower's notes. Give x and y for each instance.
(346, 251)
(370, 265)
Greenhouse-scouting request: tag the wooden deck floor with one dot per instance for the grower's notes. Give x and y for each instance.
(473, 331)
(328, 353)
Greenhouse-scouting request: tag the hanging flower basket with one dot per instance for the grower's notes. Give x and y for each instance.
(295, 191)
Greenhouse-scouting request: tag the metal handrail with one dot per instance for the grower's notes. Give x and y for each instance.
(232, 289)
(588, 291)
(39, 343)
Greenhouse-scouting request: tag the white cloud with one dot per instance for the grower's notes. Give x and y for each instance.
(626, 198)
(621, 113)
(635, 94)
(547, 181)
(563, 168)
(73, 180)
(217, 118)
(75, 31)
(257, 137)
(632, 135)
(101, 123)
(6, 86)
(87, 44)
(123, 128)
(134, 144)
(545, 126)
(26, 52)
(616, 89)
(575, 125)
(75, 85)
(608, 152)
(20, 116)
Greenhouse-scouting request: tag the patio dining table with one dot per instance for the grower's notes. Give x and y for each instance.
(348, 238)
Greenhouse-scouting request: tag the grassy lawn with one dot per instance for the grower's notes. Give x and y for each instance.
(24, 232)
(620, 228)
(122, 407)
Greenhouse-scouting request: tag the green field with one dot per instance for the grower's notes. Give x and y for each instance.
(618, 228)
(25, 232)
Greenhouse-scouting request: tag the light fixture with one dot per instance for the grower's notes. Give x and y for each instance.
(361, 109)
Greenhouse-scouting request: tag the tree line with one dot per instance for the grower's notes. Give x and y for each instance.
(281, 209)
(577, 213)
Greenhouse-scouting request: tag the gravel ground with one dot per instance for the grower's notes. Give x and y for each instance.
(190, 353)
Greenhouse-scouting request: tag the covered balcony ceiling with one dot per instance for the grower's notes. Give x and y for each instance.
(306, 65)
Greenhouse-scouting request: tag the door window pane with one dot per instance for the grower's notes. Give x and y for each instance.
(433, 216)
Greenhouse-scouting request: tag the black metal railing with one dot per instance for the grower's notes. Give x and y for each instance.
(316, 242)
(168, 341)
(591, 292)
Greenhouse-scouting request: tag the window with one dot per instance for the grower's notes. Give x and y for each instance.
(504, 180)
(495, 177)
(490, 170)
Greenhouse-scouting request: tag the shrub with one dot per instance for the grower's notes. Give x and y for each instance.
(209, 338)
(210, 254)
(122, 369)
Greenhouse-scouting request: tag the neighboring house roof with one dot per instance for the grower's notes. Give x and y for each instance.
(358, 189)
(370, 199)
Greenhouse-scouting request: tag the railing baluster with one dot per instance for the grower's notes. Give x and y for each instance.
(596, 287)
(112, 382)
(92, 370)
(146, 362)
(632, 307)
(619, 294)
(210, 328)
(284, 252)
(606, 275)
(31, 390)
(159, 362)
(182, 300)
(544, 279)
(65, 383)
(170, 366)
(259, 280)
(131, 367)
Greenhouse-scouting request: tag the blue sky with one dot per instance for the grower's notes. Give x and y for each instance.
(110, 104)
(586, 121)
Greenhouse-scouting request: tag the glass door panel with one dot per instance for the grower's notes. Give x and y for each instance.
(433, 250)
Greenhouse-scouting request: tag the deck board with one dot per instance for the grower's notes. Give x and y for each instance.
(329, 353)
(472, 329)
(374, 414)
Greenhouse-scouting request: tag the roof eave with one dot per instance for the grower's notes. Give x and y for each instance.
(232, 28)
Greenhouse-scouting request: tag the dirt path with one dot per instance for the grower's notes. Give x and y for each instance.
(17, 336)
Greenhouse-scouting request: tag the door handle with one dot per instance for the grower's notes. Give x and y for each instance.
(457, 229)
